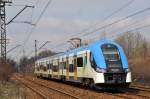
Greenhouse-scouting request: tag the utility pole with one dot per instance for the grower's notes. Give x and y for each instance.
(3, 29)
(35, 50)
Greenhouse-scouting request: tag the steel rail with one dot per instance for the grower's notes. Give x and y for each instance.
(57, 90)
(33, 89)
(140, 88)
(60, 91)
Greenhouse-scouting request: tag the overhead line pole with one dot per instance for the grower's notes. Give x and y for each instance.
(36, 49)
(3, 29)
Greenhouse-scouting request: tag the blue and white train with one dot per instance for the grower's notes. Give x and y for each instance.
(102, 63)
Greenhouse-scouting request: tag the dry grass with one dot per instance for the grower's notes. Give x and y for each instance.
(11, 90)
(140, 68)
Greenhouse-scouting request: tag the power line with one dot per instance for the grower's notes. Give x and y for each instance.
(138, 28)
(63, 43)
(136, 22)
(32, 30)
(113, 13)
(135, 29)
(106, 18)
(117, 21)
(110, 15)
(134, 14)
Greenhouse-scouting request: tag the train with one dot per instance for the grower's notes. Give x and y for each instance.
(102, 64)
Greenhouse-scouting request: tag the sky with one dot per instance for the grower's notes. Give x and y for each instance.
(65, 19)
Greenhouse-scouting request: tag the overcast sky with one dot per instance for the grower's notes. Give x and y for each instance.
(65, 19)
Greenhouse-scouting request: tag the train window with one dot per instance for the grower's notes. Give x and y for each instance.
(80, 61)
(44, 68)
(61, 65)
(38, 68)
(92, 60)
(111, 55)
(41, 66)
(50, 66)
(64, 65)
(55, 68)
(85, 60)
(71, 68)
(47, 66)
(75, 61)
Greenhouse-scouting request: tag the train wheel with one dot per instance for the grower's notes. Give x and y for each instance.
(92, 85)
(87, 82)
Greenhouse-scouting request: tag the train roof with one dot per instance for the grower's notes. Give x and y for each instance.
(87, 47)
(96, 52)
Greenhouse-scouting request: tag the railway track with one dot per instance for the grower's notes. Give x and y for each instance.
(128, 95)
(43, 89)
(124, 94)
(89, 93)
(140, 88)
(136, 91)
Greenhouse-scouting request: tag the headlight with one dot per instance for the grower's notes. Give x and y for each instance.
(100, 70)
(127, 70)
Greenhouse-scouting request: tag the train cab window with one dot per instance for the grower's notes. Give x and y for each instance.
(80, 61)
(111, 55)
(92, 60)
(85, 60)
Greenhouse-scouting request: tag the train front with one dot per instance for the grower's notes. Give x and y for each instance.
(110, 65)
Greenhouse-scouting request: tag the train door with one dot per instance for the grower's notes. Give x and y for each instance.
(67, 68)
(71, 67)
(47, 67)
(60, 67)
(64, 64)
(75, 67)
(50, 68)
(80, 65)
(58, 74)
(55, 68)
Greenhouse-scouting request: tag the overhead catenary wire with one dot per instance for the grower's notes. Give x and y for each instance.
(129, 25)
(113, 13)
(131, 30)
(35, 24)
(37, 21)
(107, 17)
(116, 11)
(117, 21)
(135, 29)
